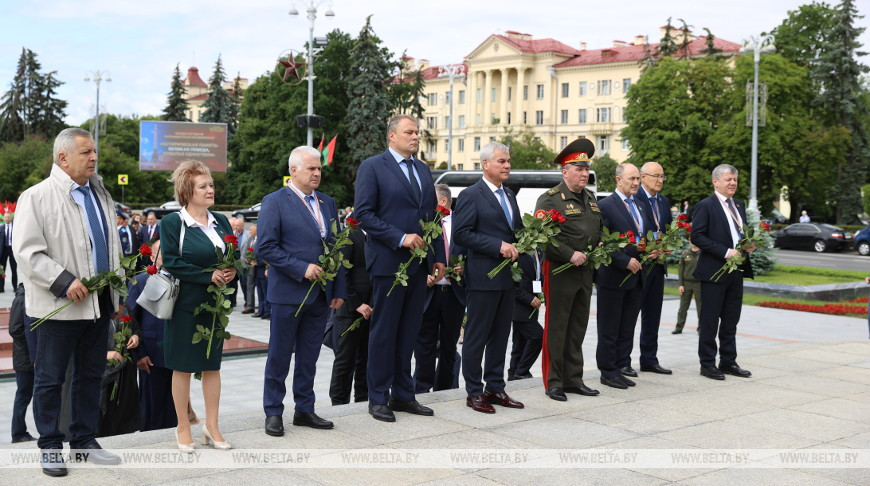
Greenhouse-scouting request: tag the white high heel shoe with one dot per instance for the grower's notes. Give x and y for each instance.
(186, 448)
(208, 439)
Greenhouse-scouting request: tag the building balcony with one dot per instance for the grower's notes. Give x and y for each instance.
(601, 128)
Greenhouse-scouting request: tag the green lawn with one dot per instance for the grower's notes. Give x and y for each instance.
(792, 275)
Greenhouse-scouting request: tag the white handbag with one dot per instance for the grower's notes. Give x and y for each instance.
(161, 291)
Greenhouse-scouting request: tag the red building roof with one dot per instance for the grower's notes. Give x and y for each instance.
(193, 78)
(635, 53)
(533, 46)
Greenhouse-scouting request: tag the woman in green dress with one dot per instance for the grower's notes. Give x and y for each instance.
(204, 230)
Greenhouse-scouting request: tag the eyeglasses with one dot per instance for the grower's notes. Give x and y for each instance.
(657, 176)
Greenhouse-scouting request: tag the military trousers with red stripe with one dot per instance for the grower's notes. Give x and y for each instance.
(567, 297)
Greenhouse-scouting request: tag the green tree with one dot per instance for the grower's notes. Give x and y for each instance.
(802, 36)
(22, 165)
(218, 108)
(176, 103)
(30, 106)
(605, 172)
(527, 150)
(667, 46)
(369, 106)
(405, 92)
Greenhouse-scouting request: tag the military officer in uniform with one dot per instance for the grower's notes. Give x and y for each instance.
(567, 295)
(689, 286)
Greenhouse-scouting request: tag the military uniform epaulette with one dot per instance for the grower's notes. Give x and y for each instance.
(554, 190)
(590, 193)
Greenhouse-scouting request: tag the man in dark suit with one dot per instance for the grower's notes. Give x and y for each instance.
(393, 194)
(652, 177)
(294, 224)
(527, 331)
(442, 321)
(7, 259)
(129, 241)
(238, 225)
(149, 231)
(717, 227)
(619, 303)
(484, 222)
(351, 350)
(260, 272)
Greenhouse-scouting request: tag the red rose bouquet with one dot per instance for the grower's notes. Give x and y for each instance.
(332, 259)
(221, 309)
(431, 230)
(753, 237)
(537, 230)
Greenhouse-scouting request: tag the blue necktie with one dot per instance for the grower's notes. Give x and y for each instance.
(635, 215)
(415, 186)
(504, 206)
(102, 263)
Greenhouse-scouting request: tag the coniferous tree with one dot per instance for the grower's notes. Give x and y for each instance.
(710, 48)
(235, 103)
(667, 46)
(218, 105)
(31, 107)
(176, 103)
(369, 105)
(12, 123)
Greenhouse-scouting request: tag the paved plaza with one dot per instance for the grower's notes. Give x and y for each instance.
(810, 393)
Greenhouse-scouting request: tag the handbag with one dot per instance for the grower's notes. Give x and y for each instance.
(161, 290)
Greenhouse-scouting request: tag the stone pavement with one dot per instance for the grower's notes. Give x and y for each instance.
(810, 391)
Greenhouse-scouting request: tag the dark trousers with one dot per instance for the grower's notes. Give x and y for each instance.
(10, 269)
(265, 308)
(251, 286)
(23, 394)
(486, 333)
(527, 339)
(720, 311)
(351, 360)
(58, 341)
(289, 335)
(156, 407)
(234, 297)
(394, 328)
(650, 317)
(437, 339)
(617, 316)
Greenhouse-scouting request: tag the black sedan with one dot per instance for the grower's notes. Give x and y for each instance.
(249, 214)
(812, 236)
(163, 209)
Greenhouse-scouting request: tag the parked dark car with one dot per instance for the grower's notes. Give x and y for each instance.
(862, 242)
(812, 236)
(250, 214)
(163, 209)
(124, 208)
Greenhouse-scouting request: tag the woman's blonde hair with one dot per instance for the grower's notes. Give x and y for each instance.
(183, 177)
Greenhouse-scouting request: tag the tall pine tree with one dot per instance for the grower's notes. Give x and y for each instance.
(31, 107)
(218, 106)
(369, 105)
(839, 74)
(176, 103)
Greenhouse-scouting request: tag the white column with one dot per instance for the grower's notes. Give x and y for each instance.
(521, 78)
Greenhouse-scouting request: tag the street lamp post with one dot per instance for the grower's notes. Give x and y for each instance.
(97, 78)
(312, 14)
(451, 71)
(757, 47)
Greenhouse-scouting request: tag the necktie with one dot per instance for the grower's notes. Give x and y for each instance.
(99, 239)
(504, 206)
(9, 234)
(415, 186)
(655, 210)
(629, 203)
(735, 219)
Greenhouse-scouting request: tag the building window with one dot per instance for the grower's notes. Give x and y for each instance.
(604, 87)
(477, 166)
(447, 121)
(563, 142)
(492, 139)
(537, 139)
(477, 119)
(460, 145)
(462, 97)
(540, 92)
(433, 99)
(433, 147)
(477, 144)
(447, 146)
(564, 90)
(602, 115)
(447, 97)
(461, 121)
(603, 144)
(525, 119)
(480, 95)
(526, 92)
(492, 94)
(510, 92)
(460, 166)
(625, 145)
(581, 116)
(509, 118)
(626, 83)
(563, 117)
(432, 122)
(582, 89)
(539, 117)
(624, 117)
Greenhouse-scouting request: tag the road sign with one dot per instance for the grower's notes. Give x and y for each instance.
(286, 180)
(123, 179)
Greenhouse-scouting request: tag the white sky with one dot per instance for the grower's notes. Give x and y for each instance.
(140, 42)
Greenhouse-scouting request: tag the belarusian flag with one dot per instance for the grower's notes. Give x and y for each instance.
(328, 152)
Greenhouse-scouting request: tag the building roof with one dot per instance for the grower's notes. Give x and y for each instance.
(634, 53)
(532, 46)
(202, 97)
(193, 78)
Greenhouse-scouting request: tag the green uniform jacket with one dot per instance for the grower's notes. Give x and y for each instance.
(688, 262)
(583, 225)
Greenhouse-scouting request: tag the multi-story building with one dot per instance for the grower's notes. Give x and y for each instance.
(557, 91)
(197, 92)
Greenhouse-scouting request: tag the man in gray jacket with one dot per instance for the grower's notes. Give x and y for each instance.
(54, 254)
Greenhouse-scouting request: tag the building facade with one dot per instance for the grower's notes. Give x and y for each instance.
(515, 82)
(197, 92)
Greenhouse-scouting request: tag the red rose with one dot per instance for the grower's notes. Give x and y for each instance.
(765, 226)
(350, 222)
(443, 210)
(145, 250)
(629, 234)
(3, 276)
(151, 269)
(231, 239)
(556, 216)
(251, 249)
(622, 235)
(632, 239)
(683, 217)
(688, 228)
(126, 319)
(641, 247)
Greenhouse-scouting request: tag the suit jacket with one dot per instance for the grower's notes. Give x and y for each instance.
(288, 240)
(386, 209)
(664, 214)
(524, 291)
(616, 217)
(479, 225)
(125, 232)
(359, 285)
(458, 289)
(143, 233)
(151, 327)
(711, 232)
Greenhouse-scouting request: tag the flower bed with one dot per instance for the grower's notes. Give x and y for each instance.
(832, 309)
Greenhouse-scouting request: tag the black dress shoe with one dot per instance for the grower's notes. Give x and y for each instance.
(92, 452)
(625, 380)
(628, 371)
(557, 394)
(310, 419)
(677, 331)
(23, 438)
(275, 426)
(267, 316)
(52, 463)
(656, 368)
(413, 407)
(712, 372)
(734, 369)
(614, 382)
(257, 314)
(381, 412)
(581, 390)
(247, 311)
